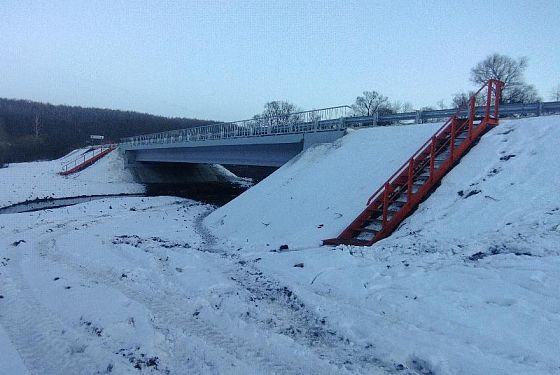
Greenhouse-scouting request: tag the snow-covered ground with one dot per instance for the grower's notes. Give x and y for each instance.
(38, 180)
(467, 285)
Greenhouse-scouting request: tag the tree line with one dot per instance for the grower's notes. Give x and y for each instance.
(34, 131)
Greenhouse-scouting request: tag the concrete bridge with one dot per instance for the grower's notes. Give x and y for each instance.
(187, 155)
(267, 142)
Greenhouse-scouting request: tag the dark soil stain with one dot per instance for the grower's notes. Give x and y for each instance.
(462, 194)
(141, 361)
(507, 157)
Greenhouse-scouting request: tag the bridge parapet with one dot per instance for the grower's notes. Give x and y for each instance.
(326, 119)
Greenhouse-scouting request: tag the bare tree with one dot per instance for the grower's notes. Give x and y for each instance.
(510, 72)
(371, 102)
(555, 93)
(504, 68)
(407, 107)
(278, 112)
(522, 93)
(460, 100)
(396, 106)
(441, 104)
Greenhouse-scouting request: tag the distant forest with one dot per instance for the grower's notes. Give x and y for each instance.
(34, 131)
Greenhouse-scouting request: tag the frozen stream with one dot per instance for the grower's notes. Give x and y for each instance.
(49, 203)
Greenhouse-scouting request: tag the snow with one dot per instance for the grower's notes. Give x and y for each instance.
(467, 285)
(315, 195)
(38, 180)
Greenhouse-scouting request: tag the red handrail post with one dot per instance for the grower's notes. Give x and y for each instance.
(452, 138)
(471, 115)
(409, 182)
(499, 85)
(385, 202)
(488, 100)
(432, 156)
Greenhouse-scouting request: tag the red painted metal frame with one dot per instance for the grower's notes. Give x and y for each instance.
(443, 141)
(88, 162)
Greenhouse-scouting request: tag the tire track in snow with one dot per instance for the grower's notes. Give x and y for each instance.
(45, 344)
(331, 352)
(291, 317)
(168, 309)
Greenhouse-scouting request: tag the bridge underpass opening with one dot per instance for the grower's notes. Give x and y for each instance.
(207, 183)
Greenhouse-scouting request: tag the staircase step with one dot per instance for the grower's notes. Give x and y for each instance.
(368, 230)
(373, 211)
(346, 241)
(402, 199)
(394, 207)
(391, 211)
(375, 224)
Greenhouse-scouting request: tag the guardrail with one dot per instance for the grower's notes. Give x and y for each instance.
(332, 118)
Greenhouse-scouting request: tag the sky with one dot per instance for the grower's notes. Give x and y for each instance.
(223, 60)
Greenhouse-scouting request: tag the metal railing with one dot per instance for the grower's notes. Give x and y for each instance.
(299, 122)
(507, 109)
(95, 150)
(332, 118)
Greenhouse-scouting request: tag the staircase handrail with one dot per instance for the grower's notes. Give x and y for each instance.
(83, 158)
(424, 147)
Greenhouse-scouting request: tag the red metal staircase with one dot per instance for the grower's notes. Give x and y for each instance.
(418, 177)
(87, 159)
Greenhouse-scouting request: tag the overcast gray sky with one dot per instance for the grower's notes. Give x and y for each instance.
(223, 60)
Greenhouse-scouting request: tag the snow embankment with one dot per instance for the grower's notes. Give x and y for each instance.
(320, 192)
(38, 180)
(511, 177)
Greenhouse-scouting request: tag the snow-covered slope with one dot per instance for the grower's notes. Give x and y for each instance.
(26, 181)
(314, 197)
(317, 194)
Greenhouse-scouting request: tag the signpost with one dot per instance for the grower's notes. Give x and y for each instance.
(96, 139)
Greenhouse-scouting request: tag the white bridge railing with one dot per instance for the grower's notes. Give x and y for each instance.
(299, 122)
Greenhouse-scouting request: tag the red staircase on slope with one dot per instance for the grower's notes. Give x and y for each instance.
(417, 178)
(85, 160)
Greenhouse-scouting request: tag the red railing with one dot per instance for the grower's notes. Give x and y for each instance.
(87, 158)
